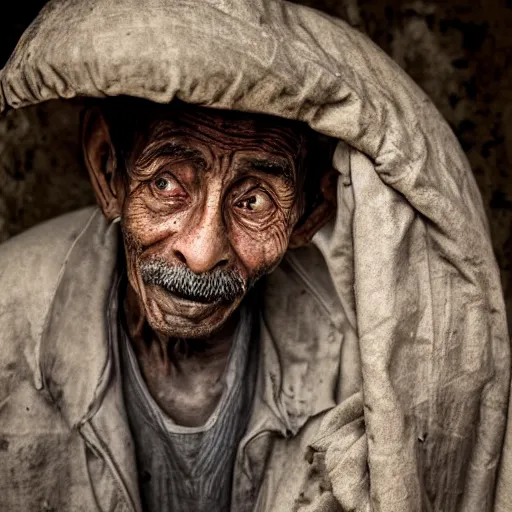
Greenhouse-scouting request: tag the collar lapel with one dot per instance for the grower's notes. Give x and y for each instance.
(301, 335)
(75, 362)
(78, 351)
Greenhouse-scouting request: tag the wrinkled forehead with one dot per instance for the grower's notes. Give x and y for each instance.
(227, 130)
(232, 129)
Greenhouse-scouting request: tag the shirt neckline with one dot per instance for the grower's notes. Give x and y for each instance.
(235, 365)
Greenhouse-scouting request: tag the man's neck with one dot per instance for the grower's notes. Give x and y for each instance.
(184, 376)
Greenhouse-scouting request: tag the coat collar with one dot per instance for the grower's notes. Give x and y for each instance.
(75, 354)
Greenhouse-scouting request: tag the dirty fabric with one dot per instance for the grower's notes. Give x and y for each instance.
(384, 371)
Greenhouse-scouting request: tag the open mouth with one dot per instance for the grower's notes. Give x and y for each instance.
(193, 298)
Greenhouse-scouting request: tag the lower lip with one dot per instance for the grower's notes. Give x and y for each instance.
(171, 303)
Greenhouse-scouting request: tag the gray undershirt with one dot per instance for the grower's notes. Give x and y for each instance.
(189, 469)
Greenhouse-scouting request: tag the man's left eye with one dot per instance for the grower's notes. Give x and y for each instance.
(256, 201)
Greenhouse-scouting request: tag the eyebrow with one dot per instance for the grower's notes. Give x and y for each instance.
(171, 148)
(279, 167)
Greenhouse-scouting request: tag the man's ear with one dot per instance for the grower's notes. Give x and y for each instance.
(321, 214)
(100, 160)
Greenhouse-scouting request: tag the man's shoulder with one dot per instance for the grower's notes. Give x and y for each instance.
(41, 249)
(30, 264)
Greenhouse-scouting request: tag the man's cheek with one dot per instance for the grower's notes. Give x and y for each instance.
(147, 227)
(260, 250)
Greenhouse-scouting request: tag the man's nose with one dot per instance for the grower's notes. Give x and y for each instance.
(203, 244)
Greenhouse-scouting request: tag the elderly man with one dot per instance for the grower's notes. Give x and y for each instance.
(209, 202)
(287, 299)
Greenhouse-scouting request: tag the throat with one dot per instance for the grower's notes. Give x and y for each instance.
(185, 377)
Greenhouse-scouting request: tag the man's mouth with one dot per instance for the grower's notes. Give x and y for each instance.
(197, 299)
(193, 308)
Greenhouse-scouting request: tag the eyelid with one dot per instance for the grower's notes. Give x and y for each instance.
(239, 197)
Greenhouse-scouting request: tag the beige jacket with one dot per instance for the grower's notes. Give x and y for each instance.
(385, 363)
(64, 439)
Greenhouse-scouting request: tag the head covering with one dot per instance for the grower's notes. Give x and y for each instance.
(409, 252)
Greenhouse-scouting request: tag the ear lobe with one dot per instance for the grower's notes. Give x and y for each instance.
(321, 215)
(100, 160)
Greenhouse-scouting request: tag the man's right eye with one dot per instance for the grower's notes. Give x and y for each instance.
(167, 185)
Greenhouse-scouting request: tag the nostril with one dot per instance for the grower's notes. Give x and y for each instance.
(179, 255)
(222, 264)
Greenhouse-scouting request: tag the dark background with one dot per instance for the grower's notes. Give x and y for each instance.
(458, 51)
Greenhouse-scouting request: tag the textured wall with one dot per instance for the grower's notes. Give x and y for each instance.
(459, 51)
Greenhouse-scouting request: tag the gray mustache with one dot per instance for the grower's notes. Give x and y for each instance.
(207, 287)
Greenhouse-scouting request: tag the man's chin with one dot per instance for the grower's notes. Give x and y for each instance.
(175, 316)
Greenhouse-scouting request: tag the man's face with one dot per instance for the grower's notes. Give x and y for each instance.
(208, 208)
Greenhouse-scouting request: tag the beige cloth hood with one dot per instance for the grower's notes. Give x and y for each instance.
(409, 252)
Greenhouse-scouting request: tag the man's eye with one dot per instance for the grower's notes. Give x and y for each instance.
(255, 202)
(167, 184)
